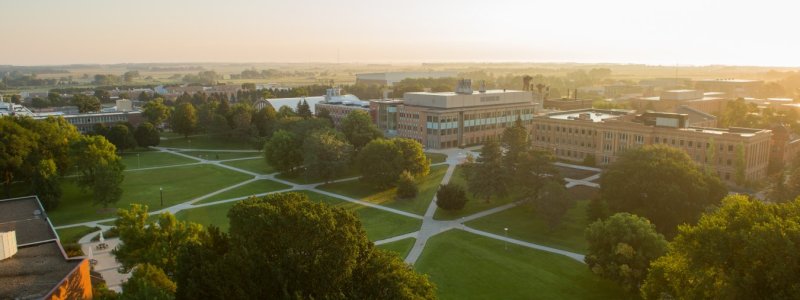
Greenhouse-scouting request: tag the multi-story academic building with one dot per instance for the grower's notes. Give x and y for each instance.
(604, 134)
(338, 108)
(454, 119)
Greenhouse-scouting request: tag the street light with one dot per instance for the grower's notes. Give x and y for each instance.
(161, 191)
(506, 241)
(137, 161)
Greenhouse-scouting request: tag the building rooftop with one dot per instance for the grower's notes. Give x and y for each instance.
(450, 94)
(40, 263)
(729, 80)
(593, 115)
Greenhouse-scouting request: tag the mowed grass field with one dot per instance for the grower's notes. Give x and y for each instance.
(388, 197)
(255, 165)
(217, 155)
(377, 223)
(180, 184)
(523, 223)
(205, 142)
(73, 234)
(469, 266)
(149, 159)
(401, 247)
(249, 189)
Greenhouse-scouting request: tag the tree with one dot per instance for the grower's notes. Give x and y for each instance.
(265, 120)
(304, 110)
(285, 246)
(451, 197)
(184, 119)
(156, 243)
(552, 203)
(283, 151)
(90, 154)
(106, 184)
(406, 186)
(488, 176)
(130, 76)
(85, 103)
(381, 161)
(121, 137)
(103, 95)
(325, 154)
(662, 184)
(16, 143)
(622, 247)
(515, 140)
(147, 135)
(155, 111)
(148, 282)
(412, 157)
(46, 185)
(378, 163)
(55, 137)
(359, 130)
(746, 249)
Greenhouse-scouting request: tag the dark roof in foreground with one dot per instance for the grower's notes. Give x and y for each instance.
(40, 263)
(27, 217)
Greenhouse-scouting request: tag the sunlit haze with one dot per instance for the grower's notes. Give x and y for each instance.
(684, 32)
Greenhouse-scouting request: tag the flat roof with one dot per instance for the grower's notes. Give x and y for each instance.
(732, 80)
(40, 263)
(28, 219)
(475, 92)
(594, 115)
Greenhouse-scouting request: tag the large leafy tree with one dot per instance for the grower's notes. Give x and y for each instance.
(746, 249)
(283, 151)
(184, 119)
(285, 246)
(265, 120)
(359, 130)
(85, 103)
(155, 111)
(552, 203)
(515, 140)
(661, 184)
(148, 282)
(147, 135)
(46, 183)
(100, 169)
(382, 161)
(122, 137)
(16, 143)
(152, 242)
(378, 163)
(325, 154)
(105, 186)
(621, 248)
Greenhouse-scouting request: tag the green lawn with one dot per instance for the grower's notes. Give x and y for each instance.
(378, 224)
(213, 155)
(473, 205)
(205, 142)
(436, 157)
(468, 266)
(256, 165)
(73, 234)
(360, 190)
(401, 247)
(152, 159)
(255, 187)
(574, 173)
(180, 184)
(300, 178)
(523, 223)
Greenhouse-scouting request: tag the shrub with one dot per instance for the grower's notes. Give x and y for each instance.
(451, 197)
(406, 187)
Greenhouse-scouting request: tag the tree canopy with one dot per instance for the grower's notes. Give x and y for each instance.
(662, 184)
(155, 111)
(382, 160)
(283, 151)
(746, 249)
(359, 130)
(325, 154)
(184, 119)
(622, 247)
(285, 246)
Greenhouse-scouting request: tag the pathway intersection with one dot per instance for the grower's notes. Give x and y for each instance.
(429, 228)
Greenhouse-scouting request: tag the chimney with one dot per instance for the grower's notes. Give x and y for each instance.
(464, 87)
(8, 244)
(482, 88)
(526, 83)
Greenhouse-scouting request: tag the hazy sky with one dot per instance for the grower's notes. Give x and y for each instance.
(669, 32)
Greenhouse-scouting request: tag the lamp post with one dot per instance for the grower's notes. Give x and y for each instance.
(505, 242)
(138, 165)
(161, 191)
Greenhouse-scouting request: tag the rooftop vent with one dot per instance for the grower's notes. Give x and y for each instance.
(464, 87)
(8, 244)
